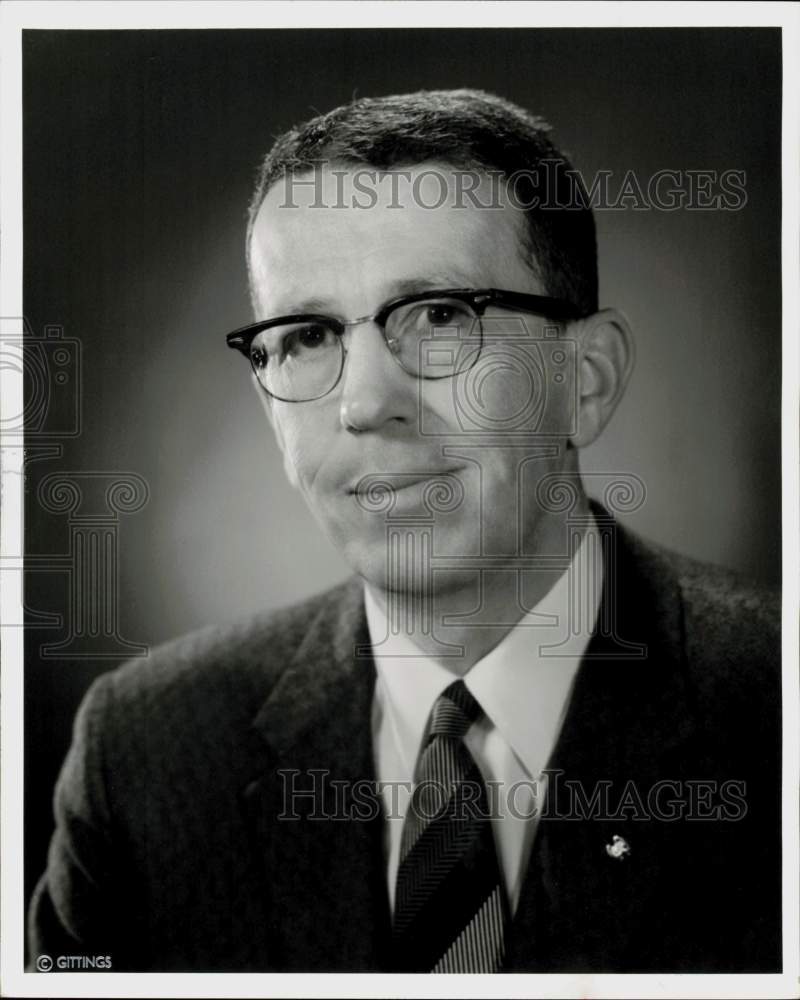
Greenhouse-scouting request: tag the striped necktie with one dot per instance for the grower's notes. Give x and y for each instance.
(450, 903)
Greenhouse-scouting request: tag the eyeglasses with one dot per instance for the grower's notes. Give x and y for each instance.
(431, 335)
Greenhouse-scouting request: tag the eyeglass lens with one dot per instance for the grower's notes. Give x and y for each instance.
(429, 338)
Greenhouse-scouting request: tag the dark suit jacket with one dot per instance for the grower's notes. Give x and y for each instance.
(168, 854)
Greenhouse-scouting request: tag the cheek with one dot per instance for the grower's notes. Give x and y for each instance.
(303, 440)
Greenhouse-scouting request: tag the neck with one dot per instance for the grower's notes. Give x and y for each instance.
(466, 615)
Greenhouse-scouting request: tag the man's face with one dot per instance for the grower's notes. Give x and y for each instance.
(488, 435)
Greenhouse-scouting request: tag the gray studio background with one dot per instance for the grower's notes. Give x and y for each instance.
(140, 149)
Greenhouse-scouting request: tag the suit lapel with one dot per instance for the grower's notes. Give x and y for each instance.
(324, 876)
(629, 716)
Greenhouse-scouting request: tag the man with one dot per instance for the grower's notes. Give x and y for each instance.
(520, 739)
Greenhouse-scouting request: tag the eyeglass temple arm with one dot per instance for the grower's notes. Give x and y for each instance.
(542, 305)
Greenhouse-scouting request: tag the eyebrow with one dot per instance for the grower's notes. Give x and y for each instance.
(311, 305)
(406, 286)
(449, 279)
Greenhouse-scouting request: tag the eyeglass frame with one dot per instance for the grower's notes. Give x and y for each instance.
(478, 299)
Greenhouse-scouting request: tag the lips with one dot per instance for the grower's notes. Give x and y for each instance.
(436, 492)
(396, 481)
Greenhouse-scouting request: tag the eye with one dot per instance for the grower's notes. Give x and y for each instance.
(305, 341)
(311, 336)
(431, 317)
(258, 356)
(441, 314)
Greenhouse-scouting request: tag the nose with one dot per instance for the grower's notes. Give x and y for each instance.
(375, 389)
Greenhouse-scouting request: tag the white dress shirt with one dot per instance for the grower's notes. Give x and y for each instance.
(523, 686)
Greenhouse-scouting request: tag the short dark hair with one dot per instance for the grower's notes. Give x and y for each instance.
(467, 129)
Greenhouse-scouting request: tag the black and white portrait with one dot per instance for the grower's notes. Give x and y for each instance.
(397, 464)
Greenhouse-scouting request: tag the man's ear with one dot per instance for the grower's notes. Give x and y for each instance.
(266, 401)
(606, 357)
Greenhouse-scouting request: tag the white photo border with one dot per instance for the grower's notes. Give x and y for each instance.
(60, 14)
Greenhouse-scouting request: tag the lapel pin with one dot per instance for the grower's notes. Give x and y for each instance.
(618, 847)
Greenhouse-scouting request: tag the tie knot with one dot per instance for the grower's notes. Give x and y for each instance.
(453, 712)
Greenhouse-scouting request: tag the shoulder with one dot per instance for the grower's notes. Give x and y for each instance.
(729, 626)
(717, 600)
(217, 674)
(727, 606)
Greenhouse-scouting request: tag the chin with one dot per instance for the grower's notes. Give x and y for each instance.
(402, 566)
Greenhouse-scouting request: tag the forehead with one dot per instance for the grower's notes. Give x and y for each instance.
(351, 236)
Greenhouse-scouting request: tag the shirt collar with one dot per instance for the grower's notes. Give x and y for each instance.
(522, 685)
